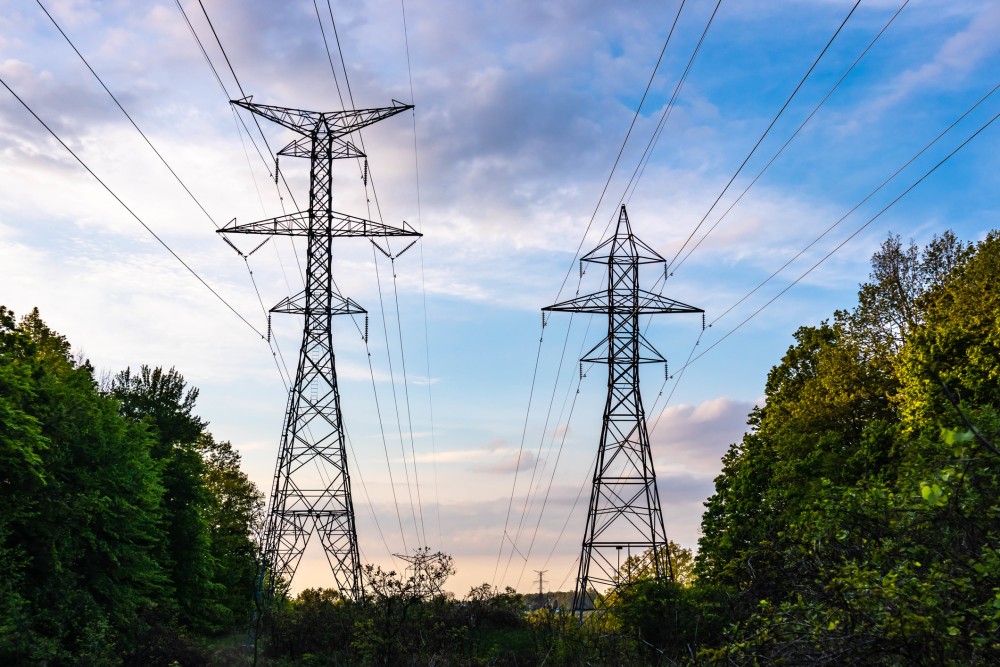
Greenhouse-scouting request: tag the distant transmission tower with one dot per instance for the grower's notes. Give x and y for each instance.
(624, 512)
(312, 487)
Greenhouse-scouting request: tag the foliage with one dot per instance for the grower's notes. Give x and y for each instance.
(402, 620)
(857, 521)
(122, 517)
(84, 498)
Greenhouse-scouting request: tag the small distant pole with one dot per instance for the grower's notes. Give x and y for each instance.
(541, 590)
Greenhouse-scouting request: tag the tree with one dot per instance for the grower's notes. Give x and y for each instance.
(855, 523)
(641, 567)
(233, 513)
(163, 403)
(396, 605)
(81, 498)
(162, 400)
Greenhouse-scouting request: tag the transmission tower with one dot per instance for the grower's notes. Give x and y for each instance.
(312, 487)
(624, 513)
(541, 589)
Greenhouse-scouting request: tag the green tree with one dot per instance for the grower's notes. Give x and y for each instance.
(162, 403)
(82, 500)
(233, 513)
(856, 522)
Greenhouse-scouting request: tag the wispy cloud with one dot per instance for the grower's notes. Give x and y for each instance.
(953, 61)
(510, 463)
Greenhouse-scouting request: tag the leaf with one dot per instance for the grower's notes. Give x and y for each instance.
(932, 494)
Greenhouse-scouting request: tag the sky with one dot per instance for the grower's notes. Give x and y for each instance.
(468, 416)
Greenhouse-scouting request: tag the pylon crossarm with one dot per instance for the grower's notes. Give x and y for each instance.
(645, 303)
(339, 305)
(650, 302)
(647, 353)
(339, 148)
(297, 224)
(623, 250)
(296, 120)
(345, 122)
(336, 123)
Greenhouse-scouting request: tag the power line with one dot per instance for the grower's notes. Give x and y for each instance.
(273, 345)
(371, 180)
(857, 206)
(240, 121)
(758, 176)
(130, 211)
(538, 456)
(385, 448)
(552, 477)
(130, 119)
(520, 452)
(766, 132)
(844, 242)
(423, 284)
(371, 369)
(165, 164)
(395, 398)
(243, 94)
(654, 138)
(621, 150)
(406, 394)
(794, 134)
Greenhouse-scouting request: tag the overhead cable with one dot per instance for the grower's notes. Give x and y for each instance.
(130, 211)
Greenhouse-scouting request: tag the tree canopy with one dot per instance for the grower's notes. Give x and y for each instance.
(122, 515)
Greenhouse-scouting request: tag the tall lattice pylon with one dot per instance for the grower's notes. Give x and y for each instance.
(312, 487)
(624, 518)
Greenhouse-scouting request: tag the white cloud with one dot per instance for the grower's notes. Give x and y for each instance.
(959, 55)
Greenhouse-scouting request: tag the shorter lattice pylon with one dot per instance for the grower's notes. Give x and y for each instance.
(624, 518)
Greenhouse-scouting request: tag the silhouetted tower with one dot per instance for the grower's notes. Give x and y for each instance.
(624, 514)
(312, 487)
(541, 589)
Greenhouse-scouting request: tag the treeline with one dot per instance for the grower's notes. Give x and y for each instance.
(126, 528)
(857, 522)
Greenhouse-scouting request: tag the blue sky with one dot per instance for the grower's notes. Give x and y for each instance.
(521, 109)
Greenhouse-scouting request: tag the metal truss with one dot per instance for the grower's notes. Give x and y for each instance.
(624, 513)
(312, 488)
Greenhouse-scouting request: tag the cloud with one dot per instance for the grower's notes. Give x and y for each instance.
(515, 462)
(496, 444)
(453, 456)
(959, 55)
(560, 432)
(692, 439)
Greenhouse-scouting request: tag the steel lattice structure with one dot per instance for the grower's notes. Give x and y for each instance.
(312, 487)
(624, 513)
